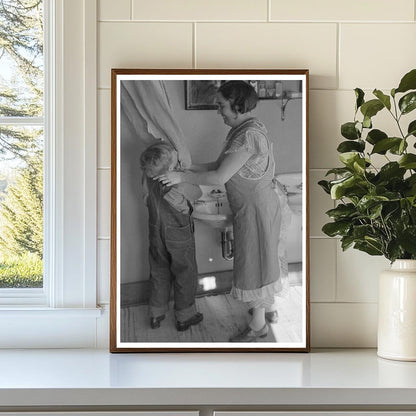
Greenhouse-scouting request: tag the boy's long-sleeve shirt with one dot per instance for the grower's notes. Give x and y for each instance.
(179, 196)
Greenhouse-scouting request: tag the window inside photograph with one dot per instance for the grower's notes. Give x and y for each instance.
(22, 120)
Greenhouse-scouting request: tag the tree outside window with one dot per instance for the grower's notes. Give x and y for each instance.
(21, 143)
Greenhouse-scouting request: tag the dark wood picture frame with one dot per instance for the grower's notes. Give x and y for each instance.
(295, 87)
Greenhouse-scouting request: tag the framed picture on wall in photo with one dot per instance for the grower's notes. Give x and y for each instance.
(209, 211)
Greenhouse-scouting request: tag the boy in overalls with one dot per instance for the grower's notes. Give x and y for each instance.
(171, 239)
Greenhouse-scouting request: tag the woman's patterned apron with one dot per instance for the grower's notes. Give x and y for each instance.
(257, 223)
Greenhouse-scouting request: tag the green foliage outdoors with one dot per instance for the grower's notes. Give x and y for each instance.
(376, 212)
(25, 271)
(21, 214)
(21, 95)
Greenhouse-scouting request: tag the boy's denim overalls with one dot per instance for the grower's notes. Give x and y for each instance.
(171, 255)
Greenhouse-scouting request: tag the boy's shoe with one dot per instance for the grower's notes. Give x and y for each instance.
(250, 335)
(155, 321)
(194, 320)
(271, 317)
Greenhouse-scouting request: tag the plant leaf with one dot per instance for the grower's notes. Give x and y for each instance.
(325, 186)
(374, 242)
(348, 158)
(371, 108)
(360, 231)
(398, 149)
(385, 99)
(359, 94)
(342, 211)
(375, 136)
(367, 122)
(408, 102)
(359, 165)
(351, 187)
(369, 201)
(390, 170)
(408, 161)
(394, 251)
(338, 171)
(407, 239)
(346, 242)
(333, 229)
(368, 248)
(349, 131)
(350, 146)
(375, 211)
(411, 130)
(411, 182)
(408, 82)
(403, 146)
(338, 189)
(383, 145)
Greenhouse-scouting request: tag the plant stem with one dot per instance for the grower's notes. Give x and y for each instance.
(397, 118)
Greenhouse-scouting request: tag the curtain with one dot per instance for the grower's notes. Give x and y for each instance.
(147, 107)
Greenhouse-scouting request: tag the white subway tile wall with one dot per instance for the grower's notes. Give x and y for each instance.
(103, 271)
(323, 269)
(104, 128)
(104, 202)
(344, 44)
(339, 325)
(319, 203)
(270, 45)
(355, 10)
(328, 109)
(145, 45)
(200, 10)
(114, 10)
(357, 275)
(374, 47)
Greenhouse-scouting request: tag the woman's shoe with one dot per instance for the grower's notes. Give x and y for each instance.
(156, 320)
(194, 320)
(250, 335)
(271, 317)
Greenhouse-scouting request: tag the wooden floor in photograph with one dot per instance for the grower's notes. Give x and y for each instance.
(223, 318)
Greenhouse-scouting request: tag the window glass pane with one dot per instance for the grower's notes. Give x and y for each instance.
(21, 58)
(21, 207)
(21, 145)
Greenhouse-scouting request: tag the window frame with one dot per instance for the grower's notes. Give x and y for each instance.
(71, 209)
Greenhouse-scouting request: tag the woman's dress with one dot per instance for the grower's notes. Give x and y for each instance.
(258, 272)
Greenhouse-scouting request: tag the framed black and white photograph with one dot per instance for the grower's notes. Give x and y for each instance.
(209, 211)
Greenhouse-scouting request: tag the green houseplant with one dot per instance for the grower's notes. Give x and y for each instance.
(376, 209)
(376, 212)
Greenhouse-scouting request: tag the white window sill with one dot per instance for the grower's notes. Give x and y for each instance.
(40, 327)
(36, 312)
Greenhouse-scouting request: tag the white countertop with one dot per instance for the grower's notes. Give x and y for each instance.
(96, 377)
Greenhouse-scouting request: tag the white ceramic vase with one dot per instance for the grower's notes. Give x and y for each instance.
(397, 312)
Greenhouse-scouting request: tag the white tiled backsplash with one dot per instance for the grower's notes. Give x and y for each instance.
(345, 44)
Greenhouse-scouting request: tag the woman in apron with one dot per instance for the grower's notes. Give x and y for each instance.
(246, 168)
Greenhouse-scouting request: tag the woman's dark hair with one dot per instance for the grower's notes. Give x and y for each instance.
(241, 95)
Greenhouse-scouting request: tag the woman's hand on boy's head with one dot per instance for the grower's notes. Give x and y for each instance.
(170, 178)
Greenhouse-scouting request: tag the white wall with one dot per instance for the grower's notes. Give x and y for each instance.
(345, 44)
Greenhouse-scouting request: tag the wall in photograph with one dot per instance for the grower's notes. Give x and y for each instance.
(205, 133)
